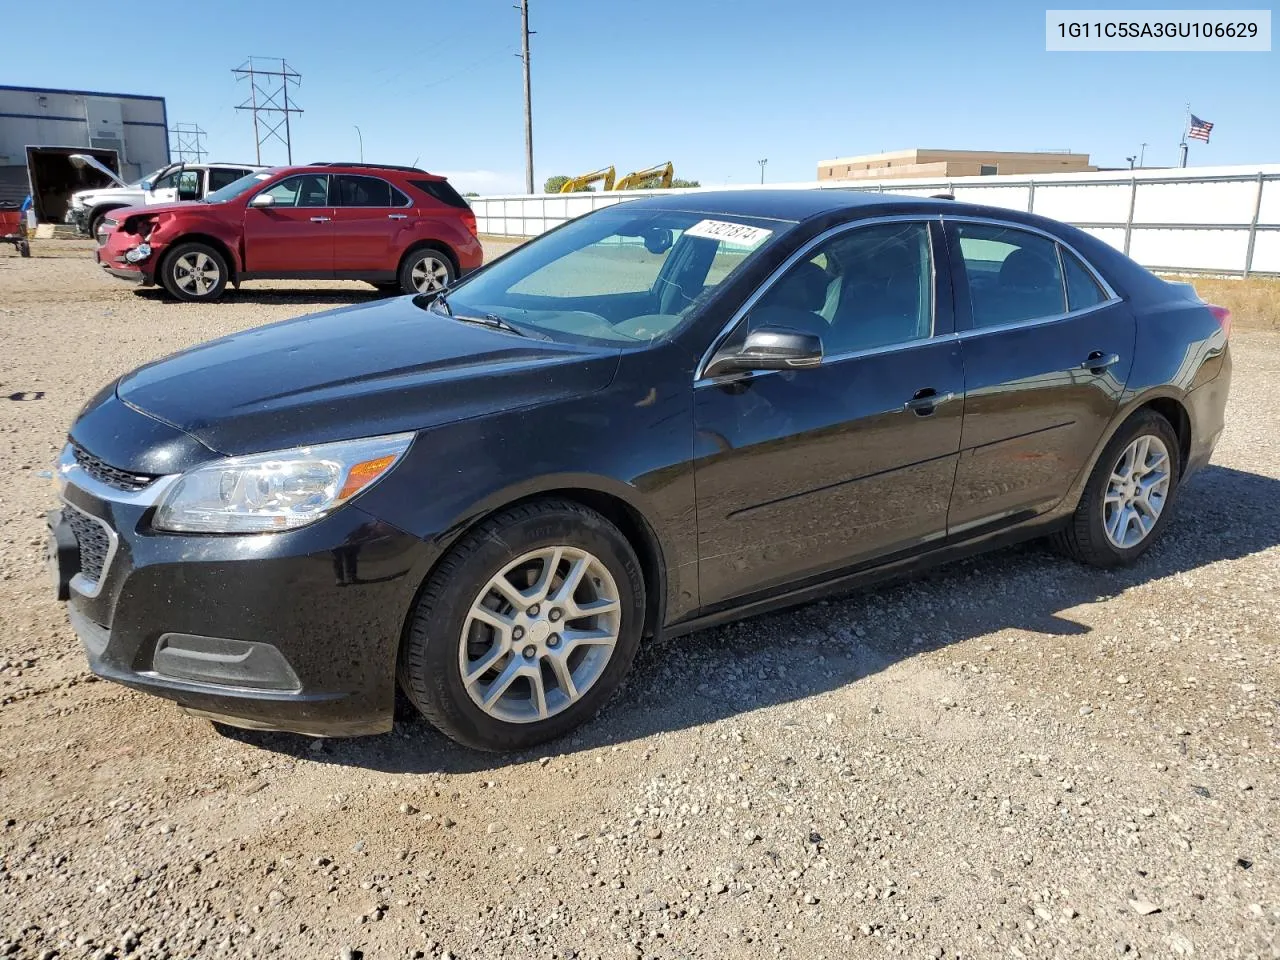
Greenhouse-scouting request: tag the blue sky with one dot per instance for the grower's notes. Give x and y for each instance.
(711, 86)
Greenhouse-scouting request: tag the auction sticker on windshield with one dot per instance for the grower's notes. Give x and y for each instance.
(732, 234)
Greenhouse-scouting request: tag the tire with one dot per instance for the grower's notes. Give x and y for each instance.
(426, 270)
(194, 272)
(95, 223)
(443, 631)
(1098, 533)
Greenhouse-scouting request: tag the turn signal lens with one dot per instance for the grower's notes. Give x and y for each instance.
(363, 474)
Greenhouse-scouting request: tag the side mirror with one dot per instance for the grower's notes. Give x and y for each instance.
(262, 200)
(769, 348)
(146, 185)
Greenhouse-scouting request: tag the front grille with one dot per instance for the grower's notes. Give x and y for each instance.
(94, 543)
(103, 472)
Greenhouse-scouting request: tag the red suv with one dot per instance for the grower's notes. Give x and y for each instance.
(400, 228)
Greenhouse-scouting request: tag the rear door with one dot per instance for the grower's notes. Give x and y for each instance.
(371, 222)
(293, 236)
(1047, 350)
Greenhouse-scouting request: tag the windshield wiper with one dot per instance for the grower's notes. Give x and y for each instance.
(491, 320)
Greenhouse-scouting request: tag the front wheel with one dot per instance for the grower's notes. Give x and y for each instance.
(526, 628)
(426, 270)
(1126, 502)
(194, 272)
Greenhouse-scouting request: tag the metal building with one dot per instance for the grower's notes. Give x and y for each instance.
(41, 128)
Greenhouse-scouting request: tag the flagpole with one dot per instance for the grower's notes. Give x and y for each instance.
(1186, 125)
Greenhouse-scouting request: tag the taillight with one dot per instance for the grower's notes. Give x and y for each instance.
(1222, 315)
(469, 219)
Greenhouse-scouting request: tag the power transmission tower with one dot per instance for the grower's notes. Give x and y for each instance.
(269, 100)
(185, 143)
(528, 96)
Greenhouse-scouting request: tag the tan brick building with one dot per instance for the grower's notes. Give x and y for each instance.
(949, 163)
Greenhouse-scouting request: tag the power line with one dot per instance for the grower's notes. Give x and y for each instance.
(269, 101)
(185, 143)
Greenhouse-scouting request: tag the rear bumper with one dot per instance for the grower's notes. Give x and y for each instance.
(1207, 406)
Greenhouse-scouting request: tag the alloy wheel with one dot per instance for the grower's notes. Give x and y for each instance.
(196, 273)
(1136, 492)
(540, 634)
(430, 274)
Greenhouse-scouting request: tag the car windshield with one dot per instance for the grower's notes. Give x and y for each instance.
(617, 276)
(236, 187)
(150, 177)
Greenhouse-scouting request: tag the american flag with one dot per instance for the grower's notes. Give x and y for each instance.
(1199, 129)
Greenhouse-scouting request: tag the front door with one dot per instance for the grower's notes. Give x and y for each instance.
(803, 472)
(1047, 351)
(372, 225)
(293, 236)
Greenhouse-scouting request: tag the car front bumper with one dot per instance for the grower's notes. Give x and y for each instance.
(294, 631)
(111, 257)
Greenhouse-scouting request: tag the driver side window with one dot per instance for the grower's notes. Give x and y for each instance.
(304, 190)
(864, 288)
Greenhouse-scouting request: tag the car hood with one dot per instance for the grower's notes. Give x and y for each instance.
(124, 194)
(154, 208)
(386, 367)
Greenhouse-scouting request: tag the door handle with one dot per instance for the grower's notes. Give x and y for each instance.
(926, 401)
(397, 216)
(1098, 362)
(319, 219)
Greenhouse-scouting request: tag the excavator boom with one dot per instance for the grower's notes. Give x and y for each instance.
(664, 173)
(605, 174)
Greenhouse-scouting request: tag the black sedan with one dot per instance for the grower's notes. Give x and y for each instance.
(664, 415)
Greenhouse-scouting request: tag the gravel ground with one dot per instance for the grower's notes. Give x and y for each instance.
(1011, 757)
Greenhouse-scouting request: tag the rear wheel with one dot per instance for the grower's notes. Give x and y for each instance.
(526, 628)
(426, 270)
(194, 272)
(1126, 502)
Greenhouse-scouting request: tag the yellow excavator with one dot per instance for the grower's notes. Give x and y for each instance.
(606, 174)
(663, 174)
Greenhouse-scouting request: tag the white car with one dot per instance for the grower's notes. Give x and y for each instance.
(177, 181)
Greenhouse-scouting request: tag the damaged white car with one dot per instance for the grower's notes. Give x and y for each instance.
(174, 182)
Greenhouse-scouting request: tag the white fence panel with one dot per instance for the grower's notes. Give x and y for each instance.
(1266, 252)
(1085, 202)
(1217, 201)
(1212, 250)
(1211, 219)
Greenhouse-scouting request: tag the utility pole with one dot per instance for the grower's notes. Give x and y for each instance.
(762, 163)
(528, 97)
(268, 96)
(186, 144)
(1142, 155)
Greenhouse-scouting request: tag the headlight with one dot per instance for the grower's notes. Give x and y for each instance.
(276, 491)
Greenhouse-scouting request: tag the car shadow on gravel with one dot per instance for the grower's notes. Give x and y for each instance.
(1223, 514)
(335, 298)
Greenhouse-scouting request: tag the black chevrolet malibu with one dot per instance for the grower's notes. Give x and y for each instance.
(663, 415)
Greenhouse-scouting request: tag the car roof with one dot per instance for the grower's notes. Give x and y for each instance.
(387, 170)
(796, 205)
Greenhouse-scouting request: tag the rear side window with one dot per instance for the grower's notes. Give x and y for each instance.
(440, 190)
(352, 191)
(1013, 275)
(1082, 290)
